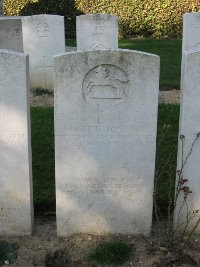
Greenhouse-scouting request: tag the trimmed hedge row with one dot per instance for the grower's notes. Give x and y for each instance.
(149, 18)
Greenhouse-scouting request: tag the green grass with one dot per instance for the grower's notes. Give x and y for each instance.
(110, 253)
(43, 158)
(43, 154)
(166, 152)
(8, 252)
(168, 50)
(70, 42)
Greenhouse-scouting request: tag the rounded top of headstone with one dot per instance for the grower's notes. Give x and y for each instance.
(192, 14)
(97, 17)
(33, 17)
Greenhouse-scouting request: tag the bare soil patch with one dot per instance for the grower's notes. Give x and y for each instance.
(44, 248)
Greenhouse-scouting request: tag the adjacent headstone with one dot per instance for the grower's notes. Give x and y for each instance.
(188, 149)
(97, 31)
(191, 31)
(1, 7)
(70, 49)
(43, 38)
(16, 211)
(105, 140)
(11, 33)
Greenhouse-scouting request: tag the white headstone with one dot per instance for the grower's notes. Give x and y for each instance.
(97, 31)
(16, 211)
(43, 38)
(191, 31)
(105, 140)
(189, 128)
(11, 33)
(1, 7)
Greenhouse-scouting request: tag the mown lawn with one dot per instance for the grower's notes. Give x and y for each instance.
(169, 52)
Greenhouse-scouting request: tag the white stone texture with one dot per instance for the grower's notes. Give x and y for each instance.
(191, 31)
(97, 31)
(70, 49)
(11, 33)
(189, 126)
(43, 38)
(1, 7)
(16, 208)
(105, 140)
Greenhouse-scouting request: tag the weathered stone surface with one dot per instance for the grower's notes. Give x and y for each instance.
(1, 7)
(11, 33)
(97, 31)
(105, 140)
(43, 38)
(189, 129)
(70, 48)
(16, 211)
(191, 31)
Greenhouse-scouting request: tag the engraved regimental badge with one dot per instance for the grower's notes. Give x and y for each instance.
(105, 88)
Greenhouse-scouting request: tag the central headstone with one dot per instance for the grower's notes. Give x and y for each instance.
(105, 141)
(97, 31)
(16, 207)
(43, 38)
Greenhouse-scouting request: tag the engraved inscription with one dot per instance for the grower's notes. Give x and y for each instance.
(195, 25)
(9, 31)
(97, 41)
(11, 35)
(104, 133)
(106, 186)
(7, 215)
(42, 26)
(105, 87)
(12, 139)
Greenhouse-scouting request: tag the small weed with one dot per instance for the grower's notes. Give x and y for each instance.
(8, 252)
(42, 91)
(110, 253)
(59, 258)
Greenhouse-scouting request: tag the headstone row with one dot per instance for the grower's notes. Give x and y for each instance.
(105, 135)
(41, 37)
(105, 115)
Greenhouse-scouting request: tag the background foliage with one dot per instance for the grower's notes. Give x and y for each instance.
(149, 18)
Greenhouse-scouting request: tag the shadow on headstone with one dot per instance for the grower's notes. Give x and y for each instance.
(66, 8)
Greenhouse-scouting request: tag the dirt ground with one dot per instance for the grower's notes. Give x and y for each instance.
(44, 248)
(40, 249)
(46, 100)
